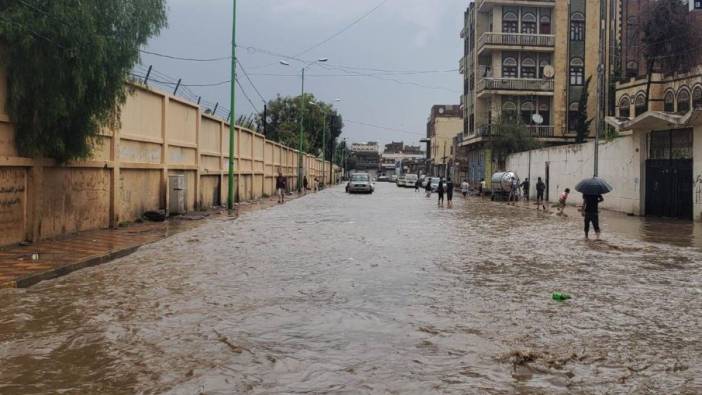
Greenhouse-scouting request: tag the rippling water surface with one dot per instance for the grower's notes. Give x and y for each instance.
(369, 294)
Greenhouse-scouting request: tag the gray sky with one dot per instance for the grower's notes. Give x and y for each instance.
(400, 36)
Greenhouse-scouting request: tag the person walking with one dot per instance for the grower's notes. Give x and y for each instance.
(417, 184)
(525, 188)
(449, 193)
(440, 192)
(562, 200)
(465, 188)
(481, 189)
(427, 188)
(305, 185)
(280, 185)
(591, 214)
(540, 189)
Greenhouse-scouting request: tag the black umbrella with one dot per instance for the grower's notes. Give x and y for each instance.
(593, 186)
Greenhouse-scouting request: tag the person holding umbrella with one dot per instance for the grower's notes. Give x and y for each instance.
(592, 190)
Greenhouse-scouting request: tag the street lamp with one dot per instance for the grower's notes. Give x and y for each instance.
(302, 116)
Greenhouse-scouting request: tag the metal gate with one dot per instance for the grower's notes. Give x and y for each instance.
(669, 181)
(669, 188)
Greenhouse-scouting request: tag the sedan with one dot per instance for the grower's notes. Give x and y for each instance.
(360, 182)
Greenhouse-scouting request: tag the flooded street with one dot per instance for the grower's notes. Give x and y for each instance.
(383, 293)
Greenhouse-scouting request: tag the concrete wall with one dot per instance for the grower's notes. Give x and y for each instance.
(128, 172)
(619, 164)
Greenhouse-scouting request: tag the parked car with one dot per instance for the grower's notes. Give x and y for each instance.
(411, 180)
(435, 183)
(383, 178)
(360, 182)
(393, 178)
(400, 181)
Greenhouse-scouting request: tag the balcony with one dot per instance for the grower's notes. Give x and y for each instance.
(487, 5)
(536, 131)
(462, 65)
(515, 86)
(516, 41)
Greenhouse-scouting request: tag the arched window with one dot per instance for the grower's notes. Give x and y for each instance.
(509, 109)
(527, 110)
(697, 98)
(509, 68)
(573, 113)
(543, 63)
(640, 105)
(577, 72)
(683, 101)
(625, 107)
(577, 27)
(529, 23)
(669, 102)
(510, 22)
(632, 69)
(545, 24)
(528, 68)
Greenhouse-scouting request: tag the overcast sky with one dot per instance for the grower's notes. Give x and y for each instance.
(400, 37)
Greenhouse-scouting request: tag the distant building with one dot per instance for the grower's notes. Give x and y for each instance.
(365, 157)
(394, 148)
(445, 122)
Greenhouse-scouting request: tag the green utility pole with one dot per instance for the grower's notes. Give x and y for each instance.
(302, 131)
(324, 146)
(230, 195)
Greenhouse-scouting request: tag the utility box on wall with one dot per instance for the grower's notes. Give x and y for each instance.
(176, 194)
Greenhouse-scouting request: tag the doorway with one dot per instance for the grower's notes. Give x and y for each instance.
(669, 180)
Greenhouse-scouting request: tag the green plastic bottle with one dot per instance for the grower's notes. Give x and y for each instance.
(560, 296)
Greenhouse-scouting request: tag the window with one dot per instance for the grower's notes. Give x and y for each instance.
(543, 63)
(625, 107)
(669, 102)
(640, 105)
(632, 69)
(545, 24)
(573, 112)
(698, 4)
(528, 68)
(527, 109)
(545, 112)
(529, 23)
(683, 101)
(577, 27)
(577, 72)
(509, 109)
(697, 97)
(509, 22)
(509, 68)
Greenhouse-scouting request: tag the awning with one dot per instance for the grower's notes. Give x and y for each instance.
(656, 120)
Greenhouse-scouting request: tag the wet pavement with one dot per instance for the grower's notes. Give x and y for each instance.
(382, 293)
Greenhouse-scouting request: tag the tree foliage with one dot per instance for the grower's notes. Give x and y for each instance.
(582, 124)
(509, 135)
(284, 126)
(67, 62)
(670, 39)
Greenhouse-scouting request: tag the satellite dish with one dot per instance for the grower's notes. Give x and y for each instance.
(549, 72)
(269, 119)
(441, 110)
(537, 118)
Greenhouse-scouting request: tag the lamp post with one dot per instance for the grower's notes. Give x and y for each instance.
(302, 118)
(230, 175)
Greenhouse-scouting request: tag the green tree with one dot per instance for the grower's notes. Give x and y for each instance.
(509, 135)
(67, 63)
(283, 114)
(671, 39)
(582, 124)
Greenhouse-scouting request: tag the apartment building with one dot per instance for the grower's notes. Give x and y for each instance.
(667, 132)
(528, 57)
(444, 124)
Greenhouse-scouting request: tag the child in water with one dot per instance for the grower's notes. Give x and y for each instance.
(562, 200)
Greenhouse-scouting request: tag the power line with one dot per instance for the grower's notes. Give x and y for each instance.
(161, 55)
(251, 82)
(247, 96)
(344, 29)
(370, 125)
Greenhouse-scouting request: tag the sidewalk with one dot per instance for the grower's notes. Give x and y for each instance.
(61, 256)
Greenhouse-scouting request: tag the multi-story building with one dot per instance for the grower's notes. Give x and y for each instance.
(527, 57)
(666, 130)
(365, 157)
(445, 122)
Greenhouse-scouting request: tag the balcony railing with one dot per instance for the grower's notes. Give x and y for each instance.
(537, 131)
(517, 39)
(482, 3)
(515, 84)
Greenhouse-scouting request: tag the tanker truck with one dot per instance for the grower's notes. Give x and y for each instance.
(503, 183)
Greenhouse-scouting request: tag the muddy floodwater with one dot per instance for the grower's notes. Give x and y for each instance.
(371, 294)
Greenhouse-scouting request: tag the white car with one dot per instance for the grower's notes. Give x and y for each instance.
(360, 182)
(411, 180)
(400, 181)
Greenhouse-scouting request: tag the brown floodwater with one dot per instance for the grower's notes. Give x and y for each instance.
(371, 294)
